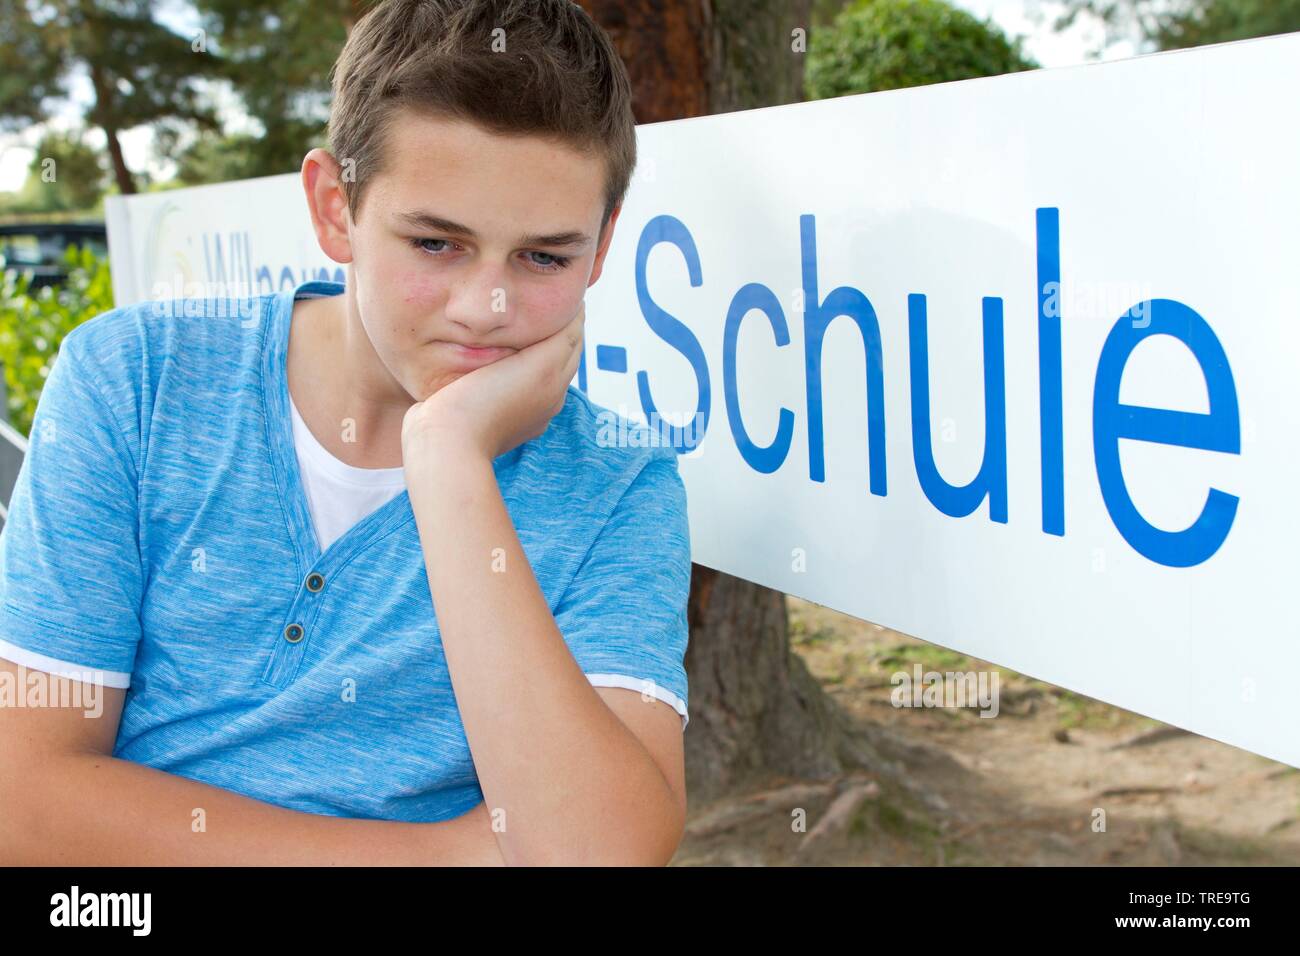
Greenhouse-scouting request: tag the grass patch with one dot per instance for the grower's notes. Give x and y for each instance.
(1222, 848)
(930, 656)
(1084, 713)
(890, 818)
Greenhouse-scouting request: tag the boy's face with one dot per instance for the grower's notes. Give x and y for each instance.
(422, 288)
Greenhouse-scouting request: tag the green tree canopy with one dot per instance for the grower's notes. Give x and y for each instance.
(140, 71)
(278, 55)
(66, 174)
(891, 44)
(1179, 24)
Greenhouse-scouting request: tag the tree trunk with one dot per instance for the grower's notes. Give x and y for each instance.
(125, 182)
(755, 711)
(104, 108)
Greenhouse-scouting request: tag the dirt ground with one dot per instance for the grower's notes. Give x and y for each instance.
(1054, 779)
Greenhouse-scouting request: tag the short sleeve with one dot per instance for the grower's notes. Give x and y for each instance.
(624, 615)
(70, 570)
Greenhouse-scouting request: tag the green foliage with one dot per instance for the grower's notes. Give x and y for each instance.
(140, 71)
(217, 158)
(33, 68)
(33, 324)
(1219, 21)
(892, 44)
(277, 55)
(170, 69)
(1180, 24)
(66, 175)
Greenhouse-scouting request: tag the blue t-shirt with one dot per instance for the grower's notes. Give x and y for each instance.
(159, 533)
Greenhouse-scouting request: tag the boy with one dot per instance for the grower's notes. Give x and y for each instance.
(303, 660)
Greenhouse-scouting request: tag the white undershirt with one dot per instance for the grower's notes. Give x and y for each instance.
(338, 494)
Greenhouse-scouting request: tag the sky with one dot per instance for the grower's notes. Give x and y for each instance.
(1028, 18)
(1033, 20)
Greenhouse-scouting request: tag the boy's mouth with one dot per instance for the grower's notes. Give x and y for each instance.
(474, 357)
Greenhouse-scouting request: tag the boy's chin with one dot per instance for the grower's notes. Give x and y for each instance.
(425, 388)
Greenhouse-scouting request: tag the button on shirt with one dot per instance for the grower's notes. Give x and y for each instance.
(160, 536)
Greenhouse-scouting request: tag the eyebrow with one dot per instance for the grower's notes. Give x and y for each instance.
(427, 220)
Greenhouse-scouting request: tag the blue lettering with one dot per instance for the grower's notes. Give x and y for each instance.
(817, 317)
(991, 482)
(1216, 430)
(671, 230)
(754, 296)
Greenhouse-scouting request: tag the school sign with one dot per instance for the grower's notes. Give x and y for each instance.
(1010, 364)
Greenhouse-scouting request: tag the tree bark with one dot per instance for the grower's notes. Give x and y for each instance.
(755, 711)
(104, 107)
(125, 181)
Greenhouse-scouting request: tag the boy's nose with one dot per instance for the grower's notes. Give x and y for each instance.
(480, 306)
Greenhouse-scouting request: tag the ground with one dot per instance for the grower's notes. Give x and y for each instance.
(1055, 779)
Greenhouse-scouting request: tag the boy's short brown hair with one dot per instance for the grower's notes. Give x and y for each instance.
(558, 76)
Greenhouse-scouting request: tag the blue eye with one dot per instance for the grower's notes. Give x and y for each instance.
(554, 263)
(419, 244)
(557, 262)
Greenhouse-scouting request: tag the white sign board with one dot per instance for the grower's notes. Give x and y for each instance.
(1009, 364)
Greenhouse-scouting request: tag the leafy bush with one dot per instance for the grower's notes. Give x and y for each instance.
(33, 324)
(892, 44)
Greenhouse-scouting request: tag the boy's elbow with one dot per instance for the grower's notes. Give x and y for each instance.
(641, 846)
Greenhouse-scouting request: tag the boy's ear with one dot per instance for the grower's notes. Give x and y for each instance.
(328, 205)
(604, 244)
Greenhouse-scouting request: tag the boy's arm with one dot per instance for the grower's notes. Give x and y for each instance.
(65, 801)
(72, 583)
(583, 776)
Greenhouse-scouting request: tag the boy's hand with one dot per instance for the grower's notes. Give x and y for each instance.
(496, 407)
